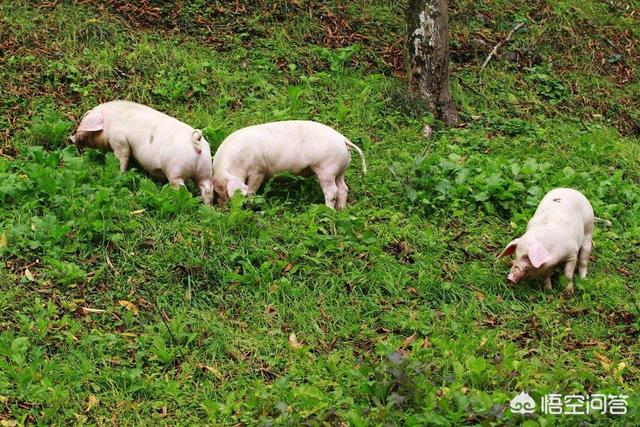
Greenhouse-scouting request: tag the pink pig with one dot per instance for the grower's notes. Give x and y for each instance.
(165, 147)
(249, 155)
(560, 232)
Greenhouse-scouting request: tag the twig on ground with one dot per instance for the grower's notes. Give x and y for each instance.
(499, 45)
(584, 125)
(6, 156)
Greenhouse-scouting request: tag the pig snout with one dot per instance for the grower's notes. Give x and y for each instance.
(75, 140)
(515, 275)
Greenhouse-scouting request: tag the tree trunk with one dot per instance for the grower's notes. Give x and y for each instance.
(428, 56)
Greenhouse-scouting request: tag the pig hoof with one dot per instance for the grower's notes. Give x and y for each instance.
(569, 291)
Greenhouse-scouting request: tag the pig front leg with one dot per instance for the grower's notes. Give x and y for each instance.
(547, 283)
(234, 184)
(176, 182)
(253, 183)
(569, 269)
(123, 156)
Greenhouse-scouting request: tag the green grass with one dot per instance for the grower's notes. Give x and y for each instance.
(123, 301)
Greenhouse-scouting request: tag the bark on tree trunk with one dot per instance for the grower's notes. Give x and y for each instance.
(428, 56)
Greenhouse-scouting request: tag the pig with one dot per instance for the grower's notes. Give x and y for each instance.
(249, 155)
(165, 147)
(560, 232)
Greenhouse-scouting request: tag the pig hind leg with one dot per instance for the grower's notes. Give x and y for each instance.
(329, 188)
(343, 191)
(569, 269)
(583, 255)
(173, 175)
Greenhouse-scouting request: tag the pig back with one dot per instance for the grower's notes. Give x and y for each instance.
(156, 140)
(564, 211)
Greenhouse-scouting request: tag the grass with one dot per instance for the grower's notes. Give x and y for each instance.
(123, 301)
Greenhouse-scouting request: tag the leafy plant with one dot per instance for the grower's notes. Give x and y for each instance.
(549, 88)
(178, 85)
(50, 128)
(125, 301)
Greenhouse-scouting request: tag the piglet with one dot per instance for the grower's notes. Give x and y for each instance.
(560, 232)
(248, 156)
(165, 147)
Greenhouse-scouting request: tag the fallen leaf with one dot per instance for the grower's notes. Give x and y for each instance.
(293, 342)
(324, 314)
(426, 342)
(287, 268)
(604, 361)
(618, 371)
(3, 240)
(111, 265)
(91, 402)
(622, 270)
(408, 341)
(211, 369)
(405, 249)
(412, 291)
(29, 275)
(88, 310)
(129, 306)
(138, 212)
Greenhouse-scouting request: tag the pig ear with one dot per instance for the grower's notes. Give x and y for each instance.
(538, 254)
(92, 122)
(511, 248)
(196, 135)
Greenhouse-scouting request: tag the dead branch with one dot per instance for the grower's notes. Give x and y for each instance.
(499, 45)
